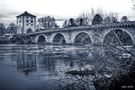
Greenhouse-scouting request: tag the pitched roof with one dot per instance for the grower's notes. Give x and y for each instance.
(26, 14)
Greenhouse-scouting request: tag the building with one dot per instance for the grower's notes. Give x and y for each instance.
(26, 23)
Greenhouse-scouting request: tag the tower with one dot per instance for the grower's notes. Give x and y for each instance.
(26, 23)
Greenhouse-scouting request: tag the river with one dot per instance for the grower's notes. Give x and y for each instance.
(38, 67)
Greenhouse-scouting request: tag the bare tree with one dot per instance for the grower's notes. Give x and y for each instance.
(47, 22)
(65, 24)
(109, 67)
(88, 16)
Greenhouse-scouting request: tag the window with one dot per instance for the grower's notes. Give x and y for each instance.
(27, 17)
(27, 24)
(31, 17)
(27, 20)
(31, 21)
(31, 24)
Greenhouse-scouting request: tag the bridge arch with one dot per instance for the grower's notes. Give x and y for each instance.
(59, 38)
(118, 37)
(41, 39)
(82, 38)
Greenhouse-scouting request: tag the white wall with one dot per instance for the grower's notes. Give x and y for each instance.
(23, 26)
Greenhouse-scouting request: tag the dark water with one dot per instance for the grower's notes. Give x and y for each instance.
(34, 67)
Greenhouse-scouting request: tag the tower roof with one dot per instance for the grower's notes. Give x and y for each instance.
(26, 14)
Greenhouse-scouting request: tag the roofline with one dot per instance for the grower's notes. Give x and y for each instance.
(24, 15)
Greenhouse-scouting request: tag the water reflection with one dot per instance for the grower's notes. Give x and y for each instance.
(26, 62)
(30, 66)
(50, 60)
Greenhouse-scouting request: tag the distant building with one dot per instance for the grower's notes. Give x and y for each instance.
(26, 23)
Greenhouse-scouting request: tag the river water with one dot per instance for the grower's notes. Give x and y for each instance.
(38, 67)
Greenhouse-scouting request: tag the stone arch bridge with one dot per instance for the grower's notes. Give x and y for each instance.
(115, 33)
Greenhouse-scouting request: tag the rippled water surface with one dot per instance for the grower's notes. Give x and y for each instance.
(36, 67)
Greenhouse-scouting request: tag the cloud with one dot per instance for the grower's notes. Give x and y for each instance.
(8, 17)
(59, 8)
(3, 16)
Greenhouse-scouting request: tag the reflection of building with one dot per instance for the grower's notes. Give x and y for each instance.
(26, 63)
(26, 23)
(47, 63)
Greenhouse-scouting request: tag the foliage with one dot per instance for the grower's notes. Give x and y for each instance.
(108, 69)
(124, 19)
(96, 16)
(88, 16)
(111, 18)
(20, 39)
(72, 22)
(97, 19)
(2, 29)
(12, 28)
(65, 24)
(107, 17)
(47, 22)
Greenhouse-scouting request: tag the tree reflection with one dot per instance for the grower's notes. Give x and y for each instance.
(26, 62)
(47, 63)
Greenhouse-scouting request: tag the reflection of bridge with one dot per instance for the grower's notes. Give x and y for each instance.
(92, 34)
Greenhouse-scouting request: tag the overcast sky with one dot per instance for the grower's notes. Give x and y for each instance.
(9, 9)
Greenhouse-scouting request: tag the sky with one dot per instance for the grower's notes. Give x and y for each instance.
(65, 9)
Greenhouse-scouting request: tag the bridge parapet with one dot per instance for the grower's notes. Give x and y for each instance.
(90, 27)
(96, 32)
